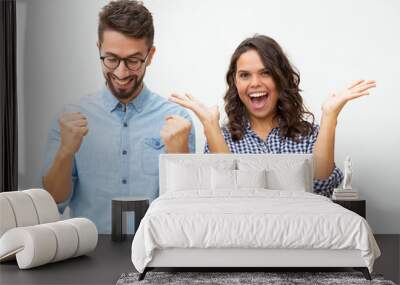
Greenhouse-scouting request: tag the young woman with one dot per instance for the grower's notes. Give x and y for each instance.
(266, 113)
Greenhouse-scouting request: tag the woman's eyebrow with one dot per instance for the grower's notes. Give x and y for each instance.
(260, 70)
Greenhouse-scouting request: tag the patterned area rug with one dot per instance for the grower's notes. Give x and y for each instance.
(230, 278)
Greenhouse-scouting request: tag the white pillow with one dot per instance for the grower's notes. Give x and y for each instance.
(226, 179)
(251, 179)
(293, 178)
(187, 174)
(283, 172)
(183, 178)
(223, 179)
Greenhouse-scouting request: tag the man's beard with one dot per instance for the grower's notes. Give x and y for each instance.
(124, 94)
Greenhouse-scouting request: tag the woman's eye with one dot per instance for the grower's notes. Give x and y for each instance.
(244, 75)
(266, 72)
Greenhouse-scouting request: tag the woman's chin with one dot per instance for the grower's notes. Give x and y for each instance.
(260, 113)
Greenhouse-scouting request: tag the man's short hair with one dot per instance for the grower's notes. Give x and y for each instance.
(128, 17)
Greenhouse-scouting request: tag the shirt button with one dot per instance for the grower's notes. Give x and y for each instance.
(124, 181)
(124, 152)
(125, 125)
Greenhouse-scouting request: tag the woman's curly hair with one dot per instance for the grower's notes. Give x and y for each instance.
(291, 114)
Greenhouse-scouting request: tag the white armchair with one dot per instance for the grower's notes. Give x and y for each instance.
(31, 230)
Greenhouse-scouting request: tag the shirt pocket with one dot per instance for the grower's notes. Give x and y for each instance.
(152, 148)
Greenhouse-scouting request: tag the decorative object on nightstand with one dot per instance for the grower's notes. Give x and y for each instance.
(357, 206)
(348, 173)
(346, 191)
(139, 205)
(340, 194)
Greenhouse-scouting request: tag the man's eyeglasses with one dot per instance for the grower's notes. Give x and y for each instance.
(132, 63)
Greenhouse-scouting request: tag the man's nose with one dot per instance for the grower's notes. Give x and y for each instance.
(121, 71)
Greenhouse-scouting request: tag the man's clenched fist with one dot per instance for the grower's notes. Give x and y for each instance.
(73, 127)
(175, 134)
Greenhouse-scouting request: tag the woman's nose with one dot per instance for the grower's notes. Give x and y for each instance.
(255, 81)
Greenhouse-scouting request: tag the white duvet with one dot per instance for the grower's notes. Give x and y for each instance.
(253, 218)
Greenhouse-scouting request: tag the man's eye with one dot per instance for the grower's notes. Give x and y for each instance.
(112, 59)
(133, 61)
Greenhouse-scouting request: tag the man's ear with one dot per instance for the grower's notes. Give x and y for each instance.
(150, 56)
(98, 44)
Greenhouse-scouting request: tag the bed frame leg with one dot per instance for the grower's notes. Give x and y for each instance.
(143, 274)
(364, 271)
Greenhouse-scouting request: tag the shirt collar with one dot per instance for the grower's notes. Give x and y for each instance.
(250, 131)
(140, 100)
(111, 103)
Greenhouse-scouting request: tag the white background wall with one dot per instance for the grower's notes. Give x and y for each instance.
(332, 43)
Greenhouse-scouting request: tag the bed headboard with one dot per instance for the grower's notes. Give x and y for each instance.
(211, 159)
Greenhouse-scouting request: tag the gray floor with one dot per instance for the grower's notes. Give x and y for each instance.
(110, 260)
(389, 262)
(102, 266)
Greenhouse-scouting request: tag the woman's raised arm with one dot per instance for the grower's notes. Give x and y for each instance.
(324, 147)
(209, 118)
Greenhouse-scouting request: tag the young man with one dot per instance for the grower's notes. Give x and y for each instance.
(110, 146)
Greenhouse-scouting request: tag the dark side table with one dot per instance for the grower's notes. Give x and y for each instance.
(119, 205)
(357, 206)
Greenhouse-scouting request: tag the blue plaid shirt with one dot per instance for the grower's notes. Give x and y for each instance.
(252, 143)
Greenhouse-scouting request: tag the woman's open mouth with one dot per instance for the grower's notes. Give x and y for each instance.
(258, 99)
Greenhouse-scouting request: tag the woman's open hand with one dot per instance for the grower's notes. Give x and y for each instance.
(335, 102)
(206, 115)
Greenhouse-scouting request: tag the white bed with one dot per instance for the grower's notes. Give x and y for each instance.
(202, 219)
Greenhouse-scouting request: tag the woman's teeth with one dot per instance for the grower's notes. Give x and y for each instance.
(258, 100)
(258, 94)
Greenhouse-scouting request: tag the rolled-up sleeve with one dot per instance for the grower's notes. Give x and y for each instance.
(325, 187)
(52, 145)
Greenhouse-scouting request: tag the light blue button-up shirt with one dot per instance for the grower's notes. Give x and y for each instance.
(119, 155)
